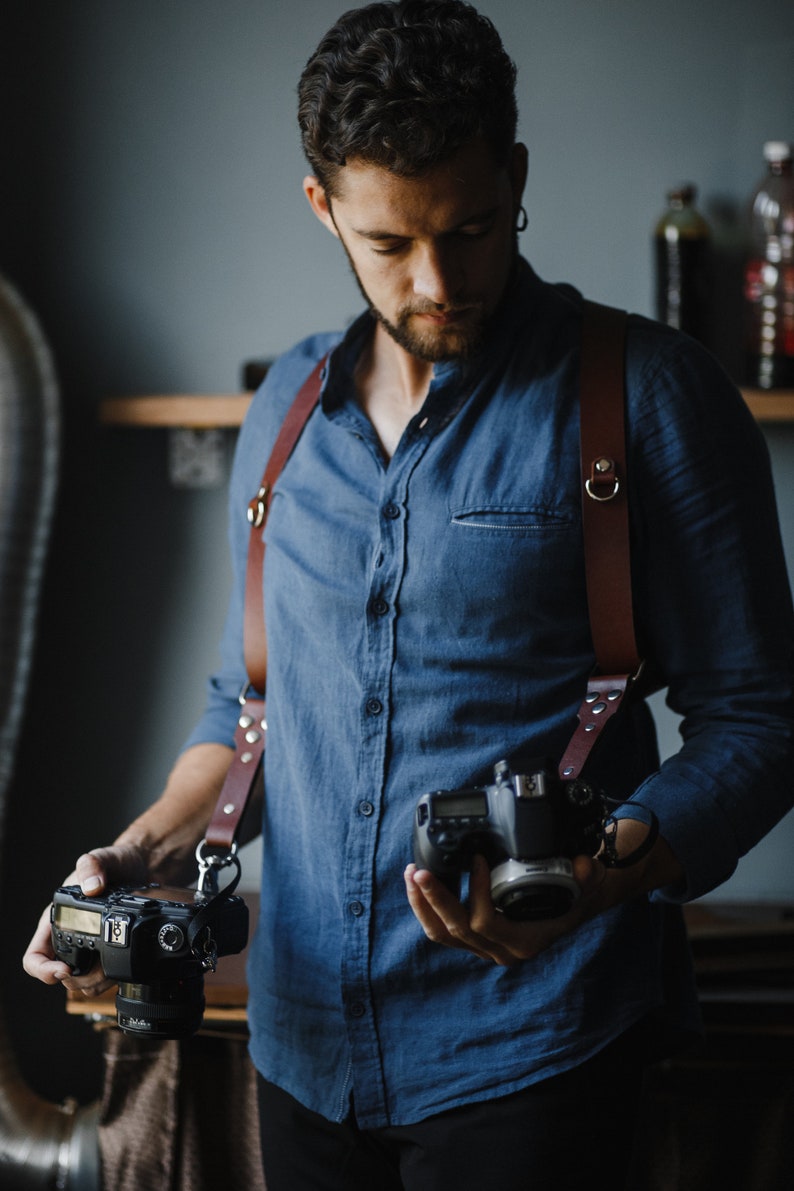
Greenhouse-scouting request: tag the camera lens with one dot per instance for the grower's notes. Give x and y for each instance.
(163, 1009)
(528, 891)
(536, 904)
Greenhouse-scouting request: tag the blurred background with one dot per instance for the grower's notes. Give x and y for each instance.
(151, 214)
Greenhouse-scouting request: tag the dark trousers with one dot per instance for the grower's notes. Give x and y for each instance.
(572, 1131)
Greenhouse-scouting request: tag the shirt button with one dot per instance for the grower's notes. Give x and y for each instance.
(366, 809)
(357, 1009)
(391, 510)
(356, 909)
(374, 707)
(380, 607)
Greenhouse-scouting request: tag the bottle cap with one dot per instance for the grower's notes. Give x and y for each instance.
(682, 195)
(777, 151)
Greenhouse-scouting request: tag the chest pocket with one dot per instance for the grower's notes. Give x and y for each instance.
(510, 520)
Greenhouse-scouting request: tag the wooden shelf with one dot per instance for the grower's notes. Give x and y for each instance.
(773, 405)
(183, 411)
(208, 411)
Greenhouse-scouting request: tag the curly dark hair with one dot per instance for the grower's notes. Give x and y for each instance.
(404, 85)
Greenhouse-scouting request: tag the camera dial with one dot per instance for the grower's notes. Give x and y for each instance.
(171, 937)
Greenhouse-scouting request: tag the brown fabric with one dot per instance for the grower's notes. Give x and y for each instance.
(179, 1116)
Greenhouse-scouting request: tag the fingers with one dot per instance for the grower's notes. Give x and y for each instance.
(479, 928)
(447, 921)
(93, 872)
(39, 960)
(101, 867)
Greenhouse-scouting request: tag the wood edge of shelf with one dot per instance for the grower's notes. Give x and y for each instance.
(227, 410)
(770, 405)
(177, 411)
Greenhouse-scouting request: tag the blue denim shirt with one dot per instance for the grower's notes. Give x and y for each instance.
(427, 618)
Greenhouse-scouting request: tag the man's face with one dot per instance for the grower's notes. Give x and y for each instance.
(433, 254)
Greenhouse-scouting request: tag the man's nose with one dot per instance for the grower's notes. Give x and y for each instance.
(439, 275)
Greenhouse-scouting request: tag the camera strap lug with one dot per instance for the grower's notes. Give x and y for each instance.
(604, 697)
(209, 865)
(199, 936)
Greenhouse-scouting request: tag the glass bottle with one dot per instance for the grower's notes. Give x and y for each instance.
(769, 275)
(681, 257)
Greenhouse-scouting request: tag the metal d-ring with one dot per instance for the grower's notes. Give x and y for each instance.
(257, 509)
(588, 487)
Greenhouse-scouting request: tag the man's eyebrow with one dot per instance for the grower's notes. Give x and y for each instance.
(379, 234)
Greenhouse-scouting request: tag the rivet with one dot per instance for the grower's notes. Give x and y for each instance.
(568, 771)
(253, 736)
(229, 809)
(246, 758)
(598, 708)
(245, 721)
(591, 696)
(603, 465)
(590, 727)
(613, 695)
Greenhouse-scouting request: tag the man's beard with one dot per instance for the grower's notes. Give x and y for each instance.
(434, 345)
(458, 342)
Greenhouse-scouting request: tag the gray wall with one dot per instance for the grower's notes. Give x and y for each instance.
(150, 209)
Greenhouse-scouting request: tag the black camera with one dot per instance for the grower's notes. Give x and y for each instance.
(527, 826)
(156, 943)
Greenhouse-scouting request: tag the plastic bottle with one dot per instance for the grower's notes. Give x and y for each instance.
(681, 256)
(769, 275)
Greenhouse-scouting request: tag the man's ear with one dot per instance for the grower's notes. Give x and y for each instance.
(318, 201)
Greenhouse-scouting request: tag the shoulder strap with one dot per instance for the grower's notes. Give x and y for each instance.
(605, 526)
(251, 734)
(254, 639)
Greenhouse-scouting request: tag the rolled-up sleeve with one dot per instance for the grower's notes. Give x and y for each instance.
(714, 613)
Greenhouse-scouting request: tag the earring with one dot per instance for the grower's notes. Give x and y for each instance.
(523, 219)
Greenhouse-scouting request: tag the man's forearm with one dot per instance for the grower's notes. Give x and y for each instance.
(169, 830)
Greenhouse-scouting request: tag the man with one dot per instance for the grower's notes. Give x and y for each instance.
(426, 617)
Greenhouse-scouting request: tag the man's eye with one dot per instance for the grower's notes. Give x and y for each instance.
(474, 231)
(388, 249)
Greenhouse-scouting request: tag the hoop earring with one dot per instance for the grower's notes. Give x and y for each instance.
(523, 220)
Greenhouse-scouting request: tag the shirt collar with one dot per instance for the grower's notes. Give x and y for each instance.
(510, 321)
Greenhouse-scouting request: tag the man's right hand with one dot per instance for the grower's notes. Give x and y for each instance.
(159, 846)
(94, 872)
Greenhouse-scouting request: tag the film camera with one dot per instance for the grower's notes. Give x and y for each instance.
(527, 826)
(157, 943)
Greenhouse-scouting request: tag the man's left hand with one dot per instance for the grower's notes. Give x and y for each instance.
(477, 926)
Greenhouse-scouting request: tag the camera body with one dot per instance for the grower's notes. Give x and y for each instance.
(527, 826)
(153, 943)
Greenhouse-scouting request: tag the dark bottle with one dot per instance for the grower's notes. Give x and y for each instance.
(769, 276)
(681, 256)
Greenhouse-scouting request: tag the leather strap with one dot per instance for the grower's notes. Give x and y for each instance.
(243, 775)
(250, 737)
(605, 503)
(254, 639)
(605, 527)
